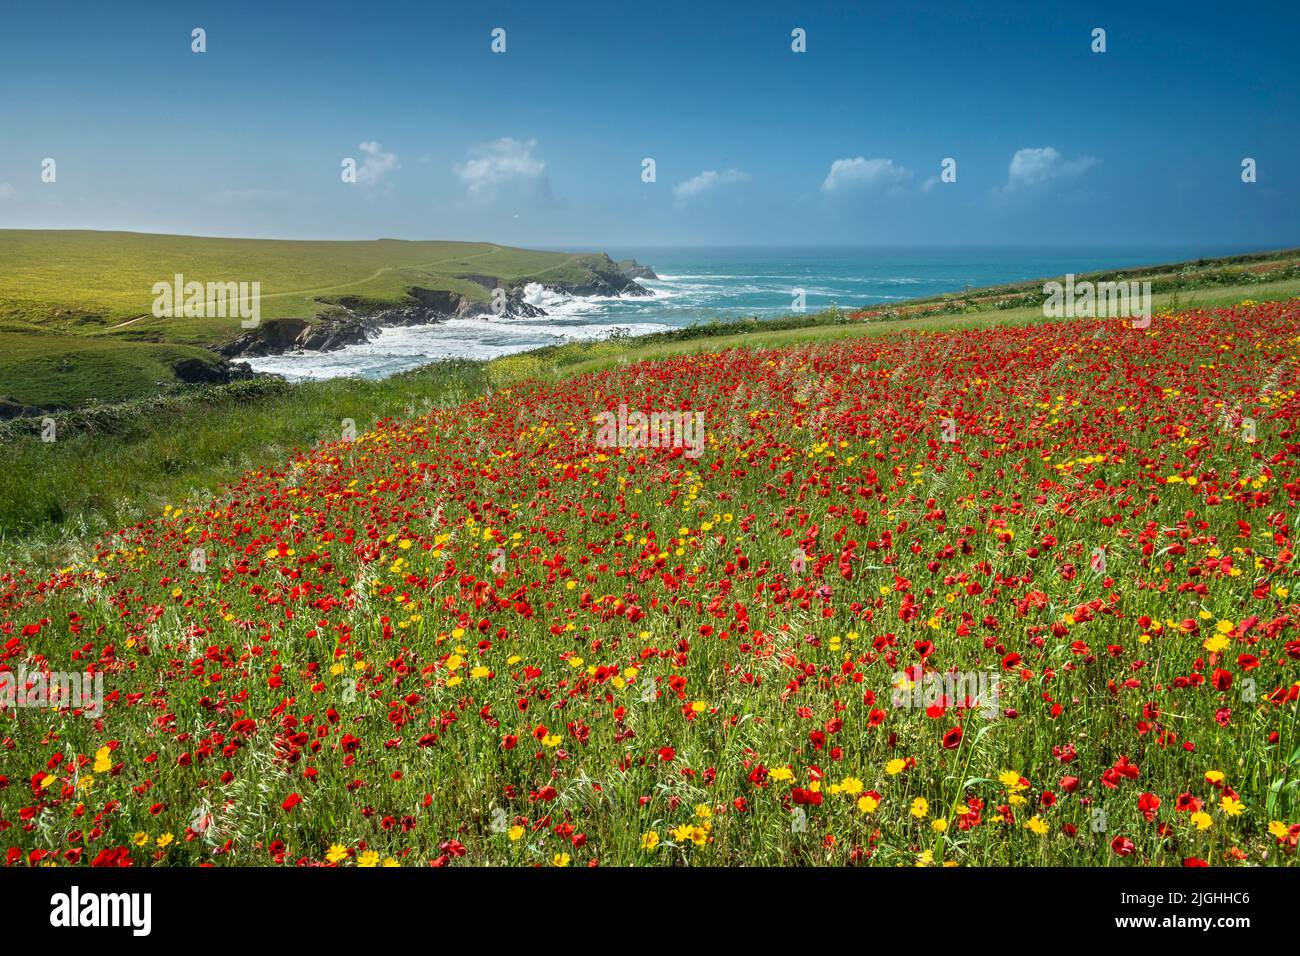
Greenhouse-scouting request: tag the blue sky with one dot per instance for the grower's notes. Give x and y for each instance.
(753, 143)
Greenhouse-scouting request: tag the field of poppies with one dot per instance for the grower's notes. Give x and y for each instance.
(1009, 596)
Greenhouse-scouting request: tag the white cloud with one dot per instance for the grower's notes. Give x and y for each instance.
(376, 165)
(707, 181)
(1041, 164)
(7, 191)
(503, 163)
(860, 172)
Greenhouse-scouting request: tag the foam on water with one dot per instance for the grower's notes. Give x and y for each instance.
(477, 337)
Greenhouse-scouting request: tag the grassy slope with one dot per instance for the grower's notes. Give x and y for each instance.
(110, 470)
(75, 305)
(85, 281)
(49, 370)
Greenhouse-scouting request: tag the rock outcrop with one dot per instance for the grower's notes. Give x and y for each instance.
(194, 371)
(634, 270)
(602, 277)
(10, 407)
(269, 338)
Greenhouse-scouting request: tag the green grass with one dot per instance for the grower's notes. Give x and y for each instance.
(54, 370)
(113, 465)
(85, 281)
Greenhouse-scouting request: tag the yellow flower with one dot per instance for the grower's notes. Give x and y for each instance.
(560, 859)
(336, 853)
(1233, 808)
(703, 811)
(939, 825)
(515, 832)
(165, 840)
(368, 859)
(649, 839)
(1011, 780)
(103, 762)
(479, 672)
(1214, 776)
(389, 863)
(920, 807)
(551, 740)
(1037, 825)
(1279, 829)
(925, 858)
(682, 833)
(1202, 820)
(895, 767)
(850, 785)
(781, 773)
(868, 803)
(141, 838)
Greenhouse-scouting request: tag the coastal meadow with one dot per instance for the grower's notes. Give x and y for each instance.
(1008, 596)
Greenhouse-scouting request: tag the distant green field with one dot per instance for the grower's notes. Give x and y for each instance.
(76, 320)
(83, 282)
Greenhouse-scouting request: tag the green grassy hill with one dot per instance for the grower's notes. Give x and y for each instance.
(41, 369)
(83, 281)
(75, 306)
